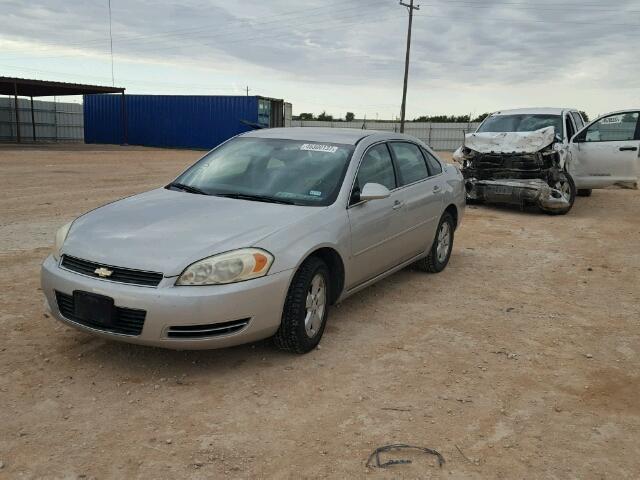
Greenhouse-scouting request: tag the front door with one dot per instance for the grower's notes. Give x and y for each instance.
(607, 152)
(376, 243)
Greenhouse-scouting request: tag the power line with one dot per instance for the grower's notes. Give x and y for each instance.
(239, 24)
(282, 31)
(219, 33)
(411, 7)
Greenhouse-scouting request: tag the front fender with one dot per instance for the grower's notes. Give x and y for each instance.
(291, 246)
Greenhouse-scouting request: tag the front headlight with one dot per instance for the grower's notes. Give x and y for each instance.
(61, 236)
(230, 267)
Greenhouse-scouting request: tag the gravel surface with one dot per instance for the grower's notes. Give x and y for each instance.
(521, 360)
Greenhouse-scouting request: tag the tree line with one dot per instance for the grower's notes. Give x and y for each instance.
(350, 117)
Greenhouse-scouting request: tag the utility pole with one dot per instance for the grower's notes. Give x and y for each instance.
(403, 110)
(113, 82)
(247, 90)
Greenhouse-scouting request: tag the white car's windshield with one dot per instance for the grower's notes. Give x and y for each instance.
(273, 170)
(521, 123)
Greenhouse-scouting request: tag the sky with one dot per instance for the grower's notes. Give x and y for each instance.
(467, 56)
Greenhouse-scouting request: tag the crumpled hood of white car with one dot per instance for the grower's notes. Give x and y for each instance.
(509, 142)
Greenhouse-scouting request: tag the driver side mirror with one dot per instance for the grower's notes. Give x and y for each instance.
(374, 191)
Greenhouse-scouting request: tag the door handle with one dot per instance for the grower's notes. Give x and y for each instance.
(436, 188)
(397, 205)
(628, 149)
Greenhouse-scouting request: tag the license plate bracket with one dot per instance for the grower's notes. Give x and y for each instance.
(94, 308)
(502, 190)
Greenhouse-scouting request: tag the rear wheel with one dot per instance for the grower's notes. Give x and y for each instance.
(584, 192)
(567, 188)
(306, 308)
(440, 252)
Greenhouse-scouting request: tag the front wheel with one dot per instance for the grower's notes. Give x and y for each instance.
(438, 257)
(305, 309)
(567, 188)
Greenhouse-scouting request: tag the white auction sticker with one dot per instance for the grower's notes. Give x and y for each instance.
(315, 147)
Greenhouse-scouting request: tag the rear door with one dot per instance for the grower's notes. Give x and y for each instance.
(607, 152)
(421, 196)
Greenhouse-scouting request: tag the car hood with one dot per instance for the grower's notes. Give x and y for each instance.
(510, 142)
(165, 231)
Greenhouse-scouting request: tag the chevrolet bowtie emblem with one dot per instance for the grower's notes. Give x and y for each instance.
(103, 272)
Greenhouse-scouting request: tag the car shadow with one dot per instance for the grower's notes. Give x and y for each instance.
(138, 361)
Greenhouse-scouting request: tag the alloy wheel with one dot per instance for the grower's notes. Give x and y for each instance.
(315, 305)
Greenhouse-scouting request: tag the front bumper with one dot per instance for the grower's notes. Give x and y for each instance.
(261, 300)
(516, 191)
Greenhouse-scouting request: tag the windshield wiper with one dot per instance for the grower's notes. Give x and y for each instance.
(187, 188)
(257, 198)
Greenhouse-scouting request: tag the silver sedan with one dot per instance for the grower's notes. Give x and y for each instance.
(255, 240)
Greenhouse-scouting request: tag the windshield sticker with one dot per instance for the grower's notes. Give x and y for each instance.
(314, 147)
(609, 120)
(315, 193)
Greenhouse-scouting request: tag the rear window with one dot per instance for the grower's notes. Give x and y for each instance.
(434, 165)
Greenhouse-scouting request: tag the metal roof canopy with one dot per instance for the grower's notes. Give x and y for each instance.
(43, 88)
(24, 87)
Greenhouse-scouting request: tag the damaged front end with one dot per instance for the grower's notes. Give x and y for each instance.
(495, 173)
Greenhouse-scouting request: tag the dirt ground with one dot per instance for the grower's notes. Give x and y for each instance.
(521, 360)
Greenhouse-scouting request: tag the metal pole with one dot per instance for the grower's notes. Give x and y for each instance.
(33, 121)
(15, 101)
(113, 82)
(403, 108)
(125, 133)
(55, 117)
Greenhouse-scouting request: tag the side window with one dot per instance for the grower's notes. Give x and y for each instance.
(376, 167)
(614, 128)
(411, 164)
(577, 118)
(568, 126)
(434, 165)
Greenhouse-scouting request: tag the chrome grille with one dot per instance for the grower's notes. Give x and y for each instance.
(119, 274)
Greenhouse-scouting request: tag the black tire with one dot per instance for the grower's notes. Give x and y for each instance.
(431, 263)
(292, 335)
(584, 192)
(564, 177)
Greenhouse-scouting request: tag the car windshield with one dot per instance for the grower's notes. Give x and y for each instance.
(266, 169)
(521, 123)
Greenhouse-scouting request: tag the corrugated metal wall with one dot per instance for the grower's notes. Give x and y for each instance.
(168, 120)
(55, 121)
(439, 136)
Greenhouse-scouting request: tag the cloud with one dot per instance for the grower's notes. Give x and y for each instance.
(355, 49)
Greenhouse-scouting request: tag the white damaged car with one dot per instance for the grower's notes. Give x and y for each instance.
(547, 156)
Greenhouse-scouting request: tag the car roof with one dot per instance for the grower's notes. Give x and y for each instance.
(534, 111)
(347, 136)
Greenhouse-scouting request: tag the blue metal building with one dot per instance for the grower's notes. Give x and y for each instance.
(175, 120)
